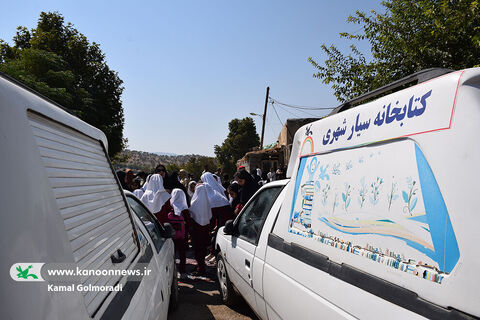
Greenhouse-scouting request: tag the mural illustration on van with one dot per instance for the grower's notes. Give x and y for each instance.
(381, 202)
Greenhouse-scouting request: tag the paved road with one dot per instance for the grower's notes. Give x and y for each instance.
(200, 299)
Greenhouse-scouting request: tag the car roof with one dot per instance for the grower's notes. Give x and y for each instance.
(276, 183)
(128, 192)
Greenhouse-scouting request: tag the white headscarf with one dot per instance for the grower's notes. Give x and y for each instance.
(190, 193)
(144, 187)
(215, 191)
(200, 209)
(138, 193)
(209, 179)
(178, 201)
(155, 195)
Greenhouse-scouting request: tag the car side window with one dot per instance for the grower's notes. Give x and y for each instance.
(252, 218)
(148, 221)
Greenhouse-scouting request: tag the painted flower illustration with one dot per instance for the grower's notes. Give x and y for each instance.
(362, 192)
(346, 196)
(336, 169)
(335, 203)
(409, 196)
(348, 165)
(392, 196)
(375, 191)
(325, 192)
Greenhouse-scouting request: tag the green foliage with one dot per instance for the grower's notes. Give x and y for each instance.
(172, 167)
(59, 62)
(408, 37)
(242, 137)
(196, 165)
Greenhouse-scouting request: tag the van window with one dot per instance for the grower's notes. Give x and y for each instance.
(251, 221)
(380, 202)
(148, 221)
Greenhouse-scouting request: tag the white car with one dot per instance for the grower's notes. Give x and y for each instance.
(241, 246)
(160, 292)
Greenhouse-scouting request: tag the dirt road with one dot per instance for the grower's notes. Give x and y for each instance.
(200, 299)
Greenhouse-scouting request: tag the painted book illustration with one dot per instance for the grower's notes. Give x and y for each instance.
(398, 216)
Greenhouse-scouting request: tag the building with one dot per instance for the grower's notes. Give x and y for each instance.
(277, 156)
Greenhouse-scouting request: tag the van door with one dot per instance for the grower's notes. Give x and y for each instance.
(248, 227)
(90, 202)
(160, 285)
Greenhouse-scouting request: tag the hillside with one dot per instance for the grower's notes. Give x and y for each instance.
(146, 161)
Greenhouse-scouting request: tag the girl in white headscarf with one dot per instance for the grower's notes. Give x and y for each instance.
(177, 219)
(221, 209)
(156, 198)
(191, 189)
(209, 179)
(201, 214)
(178, 202)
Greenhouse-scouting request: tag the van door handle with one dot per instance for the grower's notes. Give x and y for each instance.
(121, 257)
(247, 263)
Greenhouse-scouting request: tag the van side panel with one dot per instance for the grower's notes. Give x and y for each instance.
(295, 293)
(412, 220)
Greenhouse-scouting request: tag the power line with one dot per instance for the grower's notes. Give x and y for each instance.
(300, 110)
(288, 129)
(286, 110)
(274, 109)
(300, 107)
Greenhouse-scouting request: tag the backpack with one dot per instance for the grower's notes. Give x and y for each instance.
(178, 224)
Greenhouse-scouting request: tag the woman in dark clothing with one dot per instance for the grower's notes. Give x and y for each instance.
(170, 179)
(248, 186)
(234, 193)
(121, 177)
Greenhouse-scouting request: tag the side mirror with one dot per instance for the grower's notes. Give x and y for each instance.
(229, 228)
(169, 231)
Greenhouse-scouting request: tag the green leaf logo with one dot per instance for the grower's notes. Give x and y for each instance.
(24, 274)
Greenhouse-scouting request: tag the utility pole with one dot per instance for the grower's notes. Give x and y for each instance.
(264, 118)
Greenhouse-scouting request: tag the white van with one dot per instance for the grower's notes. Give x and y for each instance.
(63, 208)
(379, 217)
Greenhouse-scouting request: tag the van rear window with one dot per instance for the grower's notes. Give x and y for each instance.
(380, 202)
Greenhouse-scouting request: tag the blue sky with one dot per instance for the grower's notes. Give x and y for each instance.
(189, 67)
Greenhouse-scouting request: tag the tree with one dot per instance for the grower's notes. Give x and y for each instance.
(242, 137)
(196, 165)
(59, 62)
(172, 167)
(408, 37)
